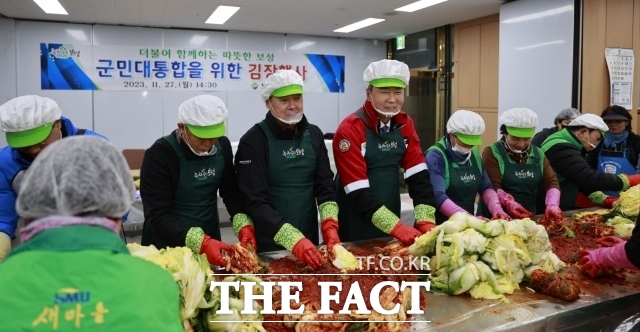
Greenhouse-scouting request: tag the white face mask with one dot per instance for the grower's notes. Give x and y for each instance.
(199, 154)
(291, 120)
(512, 150)
(461, 149)
(387, 114)
(593, 146)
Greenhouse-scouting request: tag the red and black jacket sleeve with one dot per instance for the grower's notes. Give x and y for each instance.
(352, 167)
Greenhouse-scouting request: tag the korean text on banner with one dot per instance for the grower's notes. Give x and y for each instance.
(620, 63)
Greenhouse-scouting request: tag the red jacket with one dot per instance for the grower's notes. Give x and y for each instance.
(352, 168)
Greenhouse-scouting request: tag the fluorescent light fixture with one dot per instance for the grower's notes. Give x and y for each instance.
(359, 25)
(412, 7)
(538, 15)
(51, 7)
(540, 45)
(221, 14)
(301, 45)
(198, 39)
(77, 34)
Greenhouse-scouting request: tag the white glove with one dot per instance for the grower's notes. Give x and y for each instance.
(5, 245)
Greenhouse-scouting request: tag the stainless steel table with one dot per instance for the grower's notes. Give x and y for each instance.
(601, 307)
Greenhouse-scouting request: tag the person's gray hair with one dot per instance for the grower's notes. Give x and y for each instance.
(566, 114)
(77, 176)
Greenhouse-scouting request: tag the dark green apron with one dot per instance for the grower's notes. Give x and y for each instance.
(569, 190)
(292, 168)
(383, 154)
(195, 200)
(461, 182)
(519, 180)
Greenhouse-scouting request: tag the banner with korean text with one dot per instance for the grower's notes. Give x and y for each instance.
(98, 67)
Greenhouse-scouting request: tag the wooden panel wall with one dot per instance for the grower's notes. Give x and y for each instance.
(475, 82)
(607, 23)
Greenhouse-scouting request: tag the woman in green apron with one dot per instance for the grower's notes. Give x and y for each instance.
(456, 170)
(72, 200)
(370, 148)
(180, 177)
(518, 169)
(566, 151)
(284, 174)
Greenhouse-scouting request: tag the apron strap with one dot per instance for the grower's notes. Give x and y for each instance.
(173, 141)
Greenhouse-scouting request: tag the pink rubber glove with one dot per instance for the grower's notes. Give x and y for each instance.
(513, 208)
(448, 208)
(552, 202)
(593, 261)
(490, 199)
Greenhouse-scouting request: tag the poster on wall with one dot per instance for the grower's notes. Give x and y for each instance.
(86, 67)
(620, 63)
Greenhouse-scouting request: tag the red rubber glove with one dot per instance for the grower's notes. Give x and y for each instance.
(306, 252)
(213, 249)
(247, 236)
(405, 234)
(609, 202)
(425, 226)
(329, 228)
(609, 241)
(634, 179)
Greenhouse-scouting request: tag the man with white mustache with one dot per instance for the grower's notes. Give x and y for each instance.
(370, 146)
(284, 173)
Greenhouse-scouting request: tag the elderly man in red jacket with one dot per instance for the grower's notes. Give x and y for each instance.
(370, 146)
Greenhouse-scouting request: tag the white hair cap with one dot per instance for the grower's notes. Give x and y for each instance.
(465, 122)
(28, 112)
(78, 175)
(202, 111)
(387, 73)
(282, 83)
(520, 118)
(590, 121)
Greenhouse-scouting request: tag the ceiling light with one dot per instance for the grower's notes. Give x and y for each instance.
(540, 45)
(538, 15)
(198, 39)
(301, 45)
(221, 14)
(412, 7)
(359, 25)
(77, 34)
(51, 7)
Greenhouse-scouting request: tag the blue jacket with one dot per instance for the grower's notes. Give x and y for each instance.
(11, 163)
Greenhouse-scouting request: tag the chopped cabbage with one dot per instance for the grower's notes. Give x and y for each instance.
(345, 260)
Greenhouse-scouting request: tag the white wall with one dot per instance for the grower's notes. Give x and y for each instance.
(536, 57)
(135, 119)
(8, 64)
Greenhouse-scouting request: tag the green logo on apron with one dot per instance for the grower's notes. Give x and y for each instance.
(204, 174)
(387, 146)
(292, 154)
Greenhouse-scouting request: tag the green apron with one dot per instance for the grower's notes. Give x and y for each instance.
(92, 283)
(569, 190)
(519, 180)
(292, 169)
(383, 154)
(195, 199)
(461, 182)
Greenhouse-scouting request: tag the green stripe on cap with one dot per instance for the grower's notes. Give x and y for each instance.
(206, 132)
(469, 139)
(288, 90)
(388, 83)
(521, 132)
(25, 138)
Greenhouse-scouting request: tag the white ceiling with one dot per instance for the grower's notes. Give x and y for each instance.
(306, 17)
